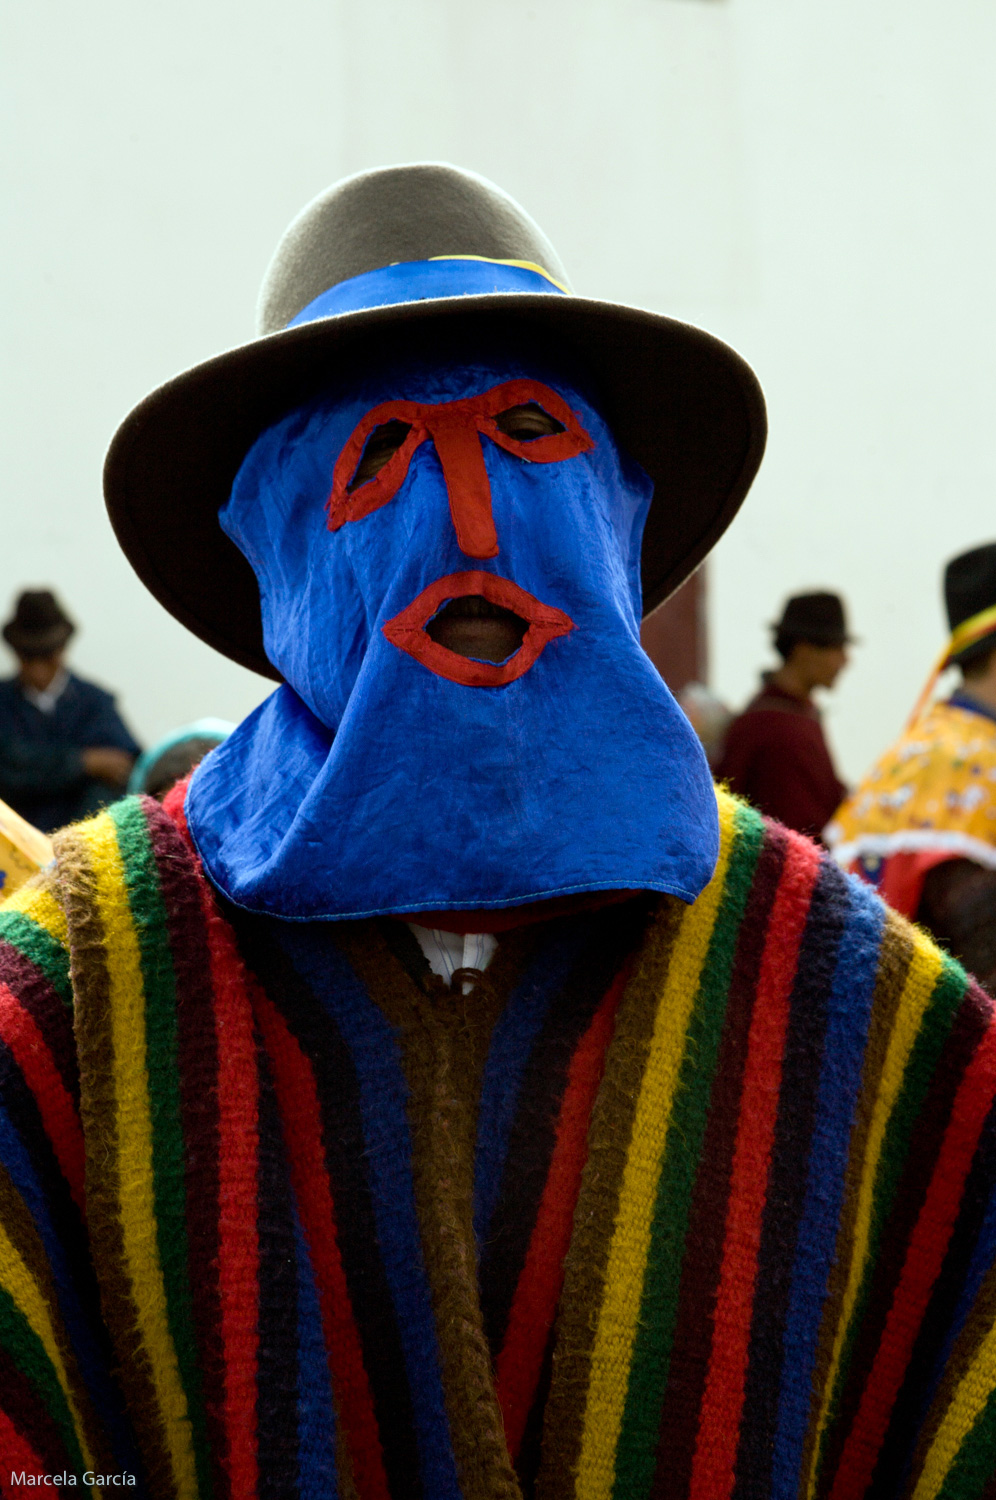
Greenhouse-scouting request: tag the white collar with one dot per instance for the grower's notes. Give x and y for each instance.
(47, 698)
(448, 951)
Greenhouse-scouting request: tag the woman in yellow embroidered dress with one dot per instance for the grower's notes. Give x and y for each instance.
(921, 827)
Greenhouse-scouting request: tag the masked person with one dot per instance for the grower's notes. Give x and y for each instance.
(921, 827)
(469, 1103)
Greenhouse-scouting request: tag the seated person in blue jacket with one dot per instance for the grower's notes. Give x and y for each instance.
(64, 748)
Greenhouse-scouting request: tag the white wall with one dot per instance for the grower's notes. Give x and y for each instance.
(868, 132)
(810, 180)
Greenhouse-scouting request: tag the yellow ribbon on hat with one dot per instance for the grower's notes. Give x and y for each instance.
(524, 265)
(966, 634)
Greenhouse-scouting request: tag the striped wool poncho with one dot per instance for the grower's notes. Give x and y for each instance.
(678, 1201)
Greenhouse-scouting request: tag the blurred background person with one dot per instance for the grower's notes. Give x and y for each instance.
(159, 768)
(64, 749)
(708, 716)
(921, 827)
(775, 753)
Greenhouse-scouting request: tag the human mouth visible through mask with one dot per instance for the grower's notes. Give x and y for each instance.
(478, 609)
(474, 627)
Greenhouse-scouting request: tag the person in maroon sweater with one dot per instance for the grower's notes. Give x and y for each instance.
(775, 753)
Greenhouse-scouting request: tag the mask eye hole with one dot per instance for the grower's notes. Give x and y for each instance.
(381, 446)
(526, 423)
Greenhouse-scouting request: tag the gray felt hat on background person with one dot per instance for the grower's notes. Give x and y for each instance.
(404, 260)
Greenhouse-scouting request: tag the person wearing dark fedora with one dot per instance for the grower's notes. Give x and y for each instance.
(775, 753)
(921, 827)
(463, 1098)
(64, 748)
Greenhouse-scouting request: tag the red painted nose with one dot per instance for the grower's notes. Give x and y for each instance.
(468, 489)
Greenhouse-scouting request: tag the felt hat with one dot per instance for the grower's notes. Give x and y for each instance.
(818, 619)
(970, 591)
(39, 624)
(410, 260)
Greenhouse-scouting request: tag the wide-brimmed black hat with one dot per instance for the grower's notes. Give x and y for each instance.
(818, 618)
(970, 588)
(39, 624)
(410, 260)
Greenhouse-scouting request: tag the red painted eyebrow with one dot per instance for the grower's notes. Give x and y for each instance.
(455, 428)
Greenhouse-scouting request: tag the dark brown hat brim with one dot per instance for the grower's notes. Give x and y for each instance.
(813, 636)
(679, 401)
(37, 642)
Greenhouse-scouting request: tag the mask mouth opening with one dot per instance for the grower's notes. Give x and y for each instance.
(474, 606)
(475, 627)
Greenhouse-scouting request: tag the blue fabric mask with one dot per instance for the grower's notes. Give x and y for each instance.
(390, 775)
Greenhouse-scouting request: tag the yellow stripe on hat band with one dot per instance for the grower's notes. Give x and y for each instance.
(975, 628)
(524, 265)
(971, 630)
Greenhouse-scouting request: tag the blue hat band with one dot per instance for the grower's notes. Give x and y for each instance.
(424, 280)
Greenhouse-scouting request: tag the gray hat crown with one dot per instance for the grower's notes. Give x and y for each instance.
(390, 216)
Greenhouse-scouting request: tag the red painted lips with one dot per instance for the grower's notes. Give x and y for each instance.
(407, 630)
